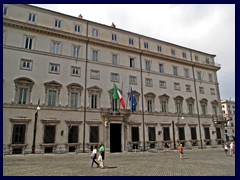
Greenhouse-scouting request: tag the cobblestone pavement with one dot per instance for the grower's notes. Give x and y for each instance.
(207, 162)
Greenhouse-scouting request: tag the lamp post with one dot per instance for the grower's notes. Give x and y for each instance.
(173, 127)
(35, 127)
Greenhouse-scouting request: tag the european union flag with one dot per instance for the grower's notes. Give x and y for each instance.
(133, 101)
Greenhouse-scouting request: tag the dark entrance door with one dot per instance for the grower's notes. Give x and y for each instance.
(115, 137)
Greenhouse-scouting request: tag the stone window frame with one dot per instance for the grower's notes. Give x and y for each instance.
(215, 106)
(165, 98)
(23, 82)
(76, 88)
(177, 100)
(150, 96)
(94, 90)
(53, 85)
(189, 101)
(204, 102)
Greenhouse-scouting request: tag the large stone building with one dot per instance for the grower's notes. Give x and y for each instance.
(58, 78)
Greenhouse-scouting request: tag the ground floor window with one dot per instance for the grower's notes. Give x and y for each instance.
(166, 134)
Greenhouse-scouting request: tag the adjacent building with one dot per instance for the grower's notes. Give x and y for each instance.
(58, 82)
(228, 110)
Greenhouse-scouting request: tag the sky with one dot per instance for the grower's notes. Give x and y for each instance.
(208, 28)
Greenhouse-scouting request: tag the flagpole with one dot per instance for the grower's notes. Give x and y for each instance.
(128, 96)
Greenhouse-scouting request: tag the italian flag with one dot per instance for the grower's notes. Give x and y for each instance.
(117, 95)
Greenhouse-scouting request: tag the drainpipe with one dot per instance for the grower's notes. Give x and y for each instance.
(142, 96)
(194, 80)
(85, 91)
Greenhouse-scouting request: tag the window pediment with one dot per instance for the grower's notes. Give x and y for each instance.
(190, 100)
(214, 102)
(178, 99)
(53, 84)
(74, 86)
(24, 81)
(203, 101)
(150, 95)
(94, 89)
(164, 97)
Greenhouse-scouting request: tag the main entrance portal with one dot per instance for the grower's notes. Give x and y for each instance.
(115, 137)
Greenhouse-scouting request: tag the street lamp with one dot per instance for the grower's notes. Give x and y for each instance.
(35, 127)
(173, 126)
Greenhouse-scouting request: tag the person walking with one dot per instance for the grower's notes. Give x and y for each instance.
(226, 148)
(101, 155)
(231, 148)
(180, 150)
(94, 156)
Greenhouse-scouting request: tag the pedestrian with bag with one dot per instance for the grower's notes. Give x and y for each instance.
(94, 156)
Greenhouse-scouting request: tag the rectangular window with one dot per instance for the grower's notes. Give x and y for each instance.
(28, 42)
(201, 90)
(26, 64)
(130, 41)
(94, 134)
(173, 52)
(114, 77)
(54, 68)
(75, 71)
(52, 97)
(212, 90)
(196, 58)
(151, 134)
(159, 48)
(215, 110)
(149, 82)
(150, 105)
(74, 99)
(199, 75)
(114, 37)
(73, 134)
(190, 108)
(184, 55)
(22, 97)
(5, 10)
(161, 68)
(95, 33)
(94, 101)
(145, 45)
(204, 109)
(166, 134)
(76, 50)
(210, 77)
(77, 28)
(114, 59)
(135, 134)
(193, 133)
(181, 133)
(148, 65)
(56, 47)
(162, 84)
(218, 132)
(207, 61)
(175, 70)
(186, 71)
(95, 55)
(58, 23)
(32, 17)
(94, 74)
(179, 107)
(132, 80)
(164, 106)
(188, 88)
(18, 136)
(49, 133)
(207, 133)
(177, 86)
(132, 62)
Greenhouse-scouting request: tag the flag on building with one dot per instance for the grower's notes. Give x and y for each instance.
(133, 101)
(117, 95)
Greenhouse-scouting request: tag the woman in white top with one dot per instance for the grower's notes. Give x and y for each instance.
(226, 149)
(94, 155)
